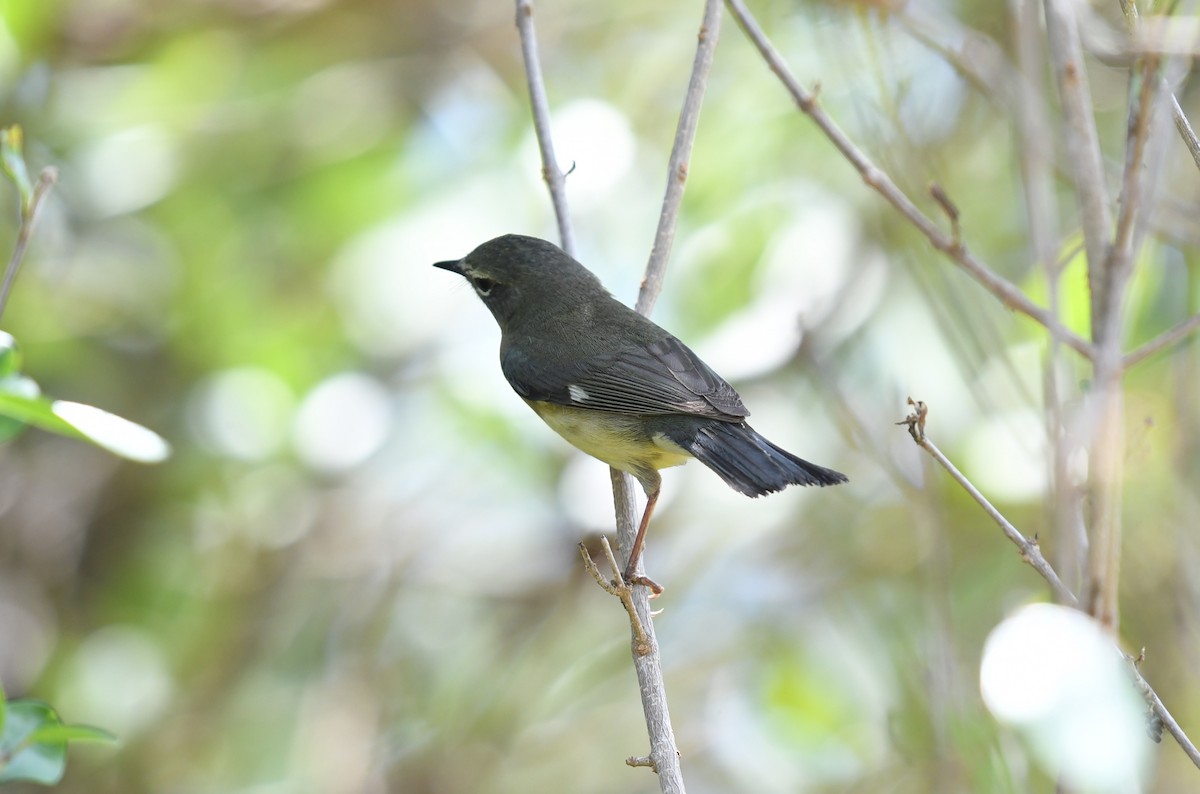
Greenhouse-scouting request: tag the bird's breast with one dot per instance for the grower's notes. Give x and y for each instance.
(620, 440)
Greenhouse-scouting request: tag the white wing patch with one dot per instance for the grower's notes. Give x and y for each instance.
(578, 395)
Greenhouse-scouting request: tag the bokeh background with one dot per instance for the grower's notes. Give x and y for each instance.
(358, 572)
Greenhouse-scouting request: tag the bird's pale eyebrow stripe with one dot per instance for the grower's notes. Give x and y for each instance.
(577, 393)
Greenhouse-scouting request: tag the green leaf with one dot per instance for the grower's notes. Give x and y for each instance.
(20, 399)
(39, 762)
(3, 708)
(119, 436)
(52, 734)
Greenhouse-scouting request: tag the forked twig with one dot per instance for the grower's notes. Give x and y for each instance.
(619, 588)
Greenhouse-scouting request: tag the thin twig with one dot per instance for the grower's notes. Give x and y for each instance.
(618, 588)
(1005, 291)
(1164, 340)
(1030, 550)
(681, 153)
(1160, 711)
(555, 179)
(28, 216)
(1031, 553)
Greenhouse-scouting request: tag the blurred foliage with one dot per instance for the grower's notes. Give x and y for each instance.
(358, 572)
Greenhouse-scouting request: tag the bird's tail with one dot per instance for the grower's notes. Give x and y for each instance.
(750, 463)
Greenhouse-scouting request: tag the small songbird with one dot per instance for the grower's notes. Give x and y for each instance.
(613, 383)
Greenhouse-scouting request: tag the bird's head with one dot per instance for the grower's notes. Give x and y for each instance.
(525, 279)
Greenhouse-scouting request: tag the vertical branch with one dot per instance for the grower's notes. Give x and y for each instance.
(664, 757)
(1036, 155)
(1106, 403)
(1082, 141)
(647, 663)
(555, 179)
(1108, 451)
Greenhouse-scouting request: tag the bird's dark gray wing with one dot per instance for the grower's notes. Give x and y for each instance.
(663, 377)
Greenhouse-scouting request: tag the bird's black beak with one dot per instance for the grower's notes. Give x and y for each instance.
(454, 266)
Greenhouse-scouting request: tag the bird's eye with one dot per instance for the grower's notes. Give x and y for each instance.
(483, 285)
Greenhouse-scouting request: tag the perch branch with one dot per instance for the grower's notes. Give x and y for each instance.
(644, 645)
(1005, 291)
(664, 757)
(618, 588)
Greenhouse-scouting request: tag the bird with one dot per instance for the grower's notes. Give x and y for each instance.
(615, 384)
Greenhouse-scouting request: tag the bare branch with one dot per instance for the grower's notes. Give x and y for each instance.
(1162, 341)
(646, 661)
(664, 757)
(619, 588)
(1005, 291)
(1146, 80)
(681, 153)
(1030, 551)
(1032, 554)
(555, 179)
(1160, 711)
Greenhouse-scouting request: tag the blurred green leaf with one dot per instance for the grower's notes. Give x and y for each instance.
(3, 709)
(23, 757)
(15, 391)
(50, 734)
(119, 436)
(20, 400)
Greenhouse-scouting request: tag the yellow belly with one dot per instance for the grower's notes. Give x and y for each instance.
(617, 439)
